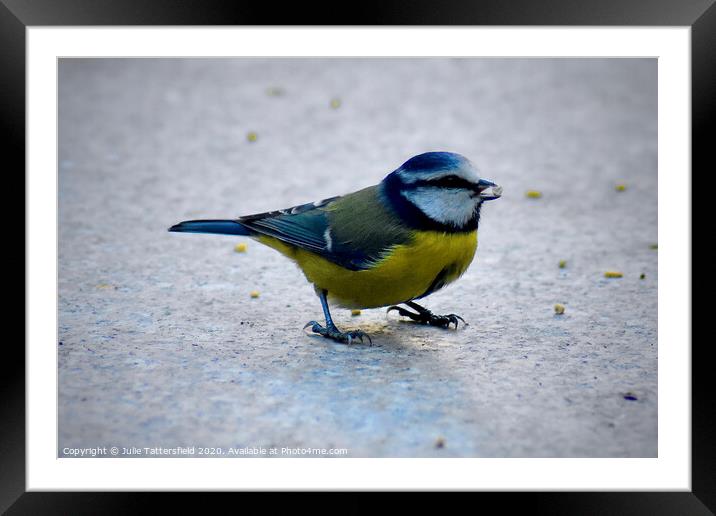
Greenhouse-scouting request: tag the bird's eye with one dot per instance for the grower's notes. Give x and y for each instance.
(448, 182)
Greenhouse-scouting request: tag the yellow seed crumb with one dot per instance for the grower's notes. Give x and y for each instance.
(241, 248)
(620, 187)
(355, 312)
(252, 136)
(274, 92)
(335, 103)
(104, 286)
(254, 294)
(613, 274)
(533, 194)
(562, 264)
(559, 309)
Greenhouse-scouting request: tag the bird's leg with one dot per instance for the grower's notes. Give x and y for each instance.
(425, 316)
(330, 331)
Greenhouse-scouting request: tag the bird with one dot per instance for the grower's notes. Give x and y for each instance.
(385, 245)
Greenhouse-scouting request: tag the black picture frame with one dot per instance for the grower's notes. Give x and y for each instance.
(17, 15)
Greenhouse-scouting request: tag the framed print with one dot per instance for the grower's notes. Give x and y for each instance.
(381, 348)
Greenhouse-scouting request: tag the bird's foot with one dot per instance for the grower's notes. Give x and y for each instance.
(331, 332)
(427, 317)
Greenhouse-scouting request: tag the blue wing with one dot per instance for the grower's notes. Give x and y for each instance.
(303, 226)
(308, 226)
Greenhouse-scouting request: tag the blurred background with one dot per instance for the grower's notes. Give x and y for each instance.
(162, 344)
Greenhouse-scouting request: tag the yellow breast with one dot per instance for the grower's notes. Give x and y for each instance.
(409, 271)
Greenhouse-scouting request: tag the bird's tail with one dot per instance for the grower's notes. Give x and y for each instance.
(221, 227)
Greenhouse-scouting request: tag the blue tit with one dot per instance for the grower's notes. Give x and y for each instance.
(388, 244)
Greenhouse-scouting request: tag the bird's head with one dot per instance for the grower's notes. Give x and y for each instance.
(439, 190)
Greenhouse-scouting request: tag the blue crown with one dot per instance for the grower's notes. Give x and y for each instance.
(433, 161)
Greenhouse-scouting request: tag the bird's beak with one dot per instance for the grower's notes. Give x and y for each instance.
(487, 190)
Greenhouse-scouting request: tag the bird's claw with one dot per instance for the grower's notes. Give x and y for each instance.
(404, 312)
(427, 317)
(331, 332)
(451, 318)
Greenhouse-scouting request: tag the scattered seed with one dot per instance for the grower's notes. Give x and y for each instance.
(654, 246)
(335, 103)
(562, 264)
(241, 248)
(252, 136)
(559, 309)
(613, 274)
(533, 194)
(275, 92)
(254, 294)
(642, 276)
(440, 442)
(355, 312)
(630, 396)
(620, 187)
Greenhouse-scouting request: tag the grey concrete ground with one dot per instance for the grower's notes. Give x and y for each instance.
(160, 343)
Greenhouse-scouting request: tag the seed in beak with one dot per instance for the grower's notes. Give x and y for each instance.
(491, 192)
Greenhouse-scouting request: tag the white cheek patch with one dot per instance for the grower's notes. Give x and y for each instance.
(448, 206)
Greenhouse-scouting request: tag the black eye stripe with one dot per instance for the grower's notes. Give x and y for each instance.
(447, 182)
